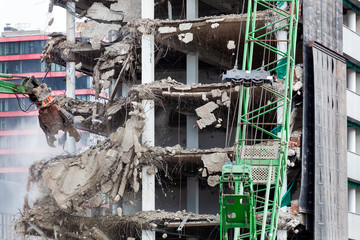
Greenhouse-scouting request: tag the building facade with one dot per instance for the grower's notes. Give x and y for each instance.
(351, 31)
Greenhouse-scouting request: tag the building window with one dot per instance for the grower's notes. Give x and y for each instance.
(354, 197)
(353, 138)
(353, 78)
(11, 123)
(83, 97)
(26, 47)
(351, 18)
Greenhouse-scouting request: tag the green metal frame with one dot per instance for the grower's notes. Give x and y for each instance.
(13, 88)
(263, 200)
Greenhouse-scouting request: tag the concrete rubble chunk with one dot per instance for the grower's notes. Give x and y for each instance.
(96, 201)
(72, 177)
(231, 45)
(213, 180)
(185, 26)
(214, 162)
(98, 234)
(119, 211)
(206, 115)
(186, 37)
(163, 30)
(97, 32)
(102, 13)
(131, 9)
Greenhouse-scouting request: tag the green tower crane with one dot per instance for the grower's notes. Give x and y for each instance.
(251, 185)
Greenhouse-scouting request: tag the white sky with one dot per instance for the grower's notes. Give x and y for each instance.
(33, 12)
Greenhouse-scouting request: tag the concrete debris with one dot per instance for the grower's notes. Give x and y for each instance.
(119, 212)
(186, 37)
(185, 26)
(213, 180)
(98, 234)
(48, 215)
(214, 162)
(99, 12)
(73, 180)
(97, 32)
(130, 9)
(231, 45)
(297, 86)
(167, 29)
(206, 115)
(51, 22)
(287, 221)
(215, 20)
(111, 170)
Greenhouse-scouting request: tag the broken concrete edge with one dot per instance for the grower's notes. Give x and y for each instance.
(48, 218)
(133, 30)
(99, 10)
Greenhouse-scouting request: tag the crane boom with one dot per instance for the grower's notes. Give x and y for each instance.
(251, 186)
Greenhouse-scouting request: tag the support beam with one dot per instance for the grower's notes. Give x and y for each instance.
(192, 9)
(192, 134)
(70, 69)
(148, 136)
(192, 198)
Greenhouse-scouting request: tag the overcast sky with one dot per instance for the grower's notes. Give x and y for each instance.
(32, 15)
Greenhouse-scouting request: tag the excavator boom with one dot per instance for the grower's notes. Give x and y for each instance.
(52, 117)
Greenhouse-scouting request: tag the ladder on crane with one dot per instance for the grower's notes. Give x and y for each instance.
(251, 185)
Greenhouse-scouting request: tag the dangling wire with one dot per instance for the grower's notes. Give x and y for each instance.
(21, 106)
(239, 37)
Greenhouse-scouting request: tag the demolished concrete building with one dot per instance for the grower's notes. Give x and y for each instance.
(157, 173)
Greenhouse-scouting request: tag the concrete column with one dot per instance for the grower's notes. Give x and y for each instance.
(351, 139)
(148, 136)
(352, 199)
(282, 46)
(192, 9)
(70, 68)
(192, 76)
(351, 79)
(192, 134)
(351, 19)
(192, 198)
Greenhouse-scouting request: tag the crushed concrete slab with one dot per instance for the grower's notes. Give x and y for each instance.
(206, 115)
(167, 29)
(213, 180)
(99, 12)
(214, 162)
(97, 32)
(186, 37)
(130, 9)
(185, 26)
(231, 45)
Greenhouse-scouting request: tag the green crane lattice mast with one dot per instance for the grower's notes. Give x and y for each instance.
(251, 186)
